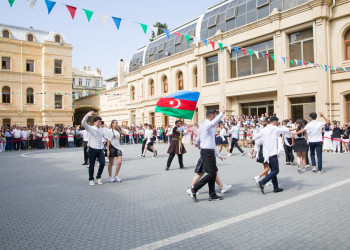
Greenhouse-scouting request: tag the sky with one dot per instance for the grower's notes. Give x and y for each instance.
(101, 46)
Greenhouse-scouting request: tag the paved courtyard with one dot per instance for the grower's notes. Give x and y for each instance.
(46, 203)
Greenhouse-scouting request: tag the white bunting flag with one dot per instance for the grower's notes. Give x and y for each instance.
(155, 30)
(229, 48)
(31, 3)
(296, 61)
(257, 54)
(103, 18)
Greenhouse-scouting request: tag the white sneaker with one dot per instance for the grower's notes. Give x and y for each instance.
(256, 179)
(99, 182)
(226, 188)
(314, 169)
(242, 154)
(229, 154)
(308, 166)
(117, 179)
(91, 183)
(188, 191)
(320, 172)
(268, 184)
(141, 156)
(110, 179)
(299, 168)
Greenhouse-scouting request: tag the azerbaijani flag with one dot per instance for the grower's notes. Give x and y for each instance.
(180, 104)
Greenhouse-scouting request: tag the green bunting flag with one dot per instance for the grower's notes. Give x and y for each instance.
(291, 61)
(144, 27)
(187, 38)
(221, 46)
(273, 57)
(250, 52)
(11, 2)
(88, 14)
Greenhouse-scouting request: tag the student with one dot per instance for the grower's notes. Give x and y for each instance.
(287, 144)
(114, 150)
(176, 147)
(148, 143)
(345, 138)
(336, 137)
(234, 133)
(299, 141)
(223, 139)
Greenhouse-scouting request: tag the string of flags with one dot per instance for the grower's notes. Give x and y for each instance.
(68, 106)
(117, 21)
(75, 94)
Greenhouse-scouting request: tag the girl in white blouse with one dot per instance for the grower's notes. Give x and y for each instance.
(223, 139)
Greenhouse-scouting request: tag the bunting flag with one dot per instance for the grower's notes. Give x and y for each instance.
(236, 49)
(31, 3)
(220, 46)
(166, 32)
(296, 62)
(144, 27)
(155, 30)
(263, 55)
(11, 2)
(244, 51)
(250, 52)
(71, 10)
(212, 44)
(103, 18)
(117, 21)
(300, 63)
(49, 5)
(257, 54)
(88, 14)
(291, 61)
(229, 48)
(284, 59)
(187, 38)
(178, 34)
(205, 42)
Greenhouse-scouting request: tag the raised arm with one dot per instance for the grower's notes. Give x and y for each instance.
(325, 118)
(84, 121)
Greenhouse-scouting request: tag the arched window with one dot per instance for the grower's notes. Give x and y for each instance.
(347, 45)
(195, 78)
(30, 96)
(151, 88)
(6, 97)
(180, 81)
(6, 34)
(165, 84)
(30, 38)
(57, 39)
(132, 93)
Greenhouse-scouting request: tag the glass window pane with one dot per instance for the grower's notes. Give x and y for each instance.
(287, 4)
(307, 33)
(347, 49)
(295, 52)
(230, 13)
(240, 21)
(243, 66)
(252, 16)
(259, 66)
(230, 24)
(251, 5)
(347, 35)
(308, 49)
(242, 9)
(263, 11)
(271, 62)
(216, 72)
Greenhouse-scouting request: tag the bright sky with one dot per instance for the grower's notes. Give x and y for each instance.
(101, 46)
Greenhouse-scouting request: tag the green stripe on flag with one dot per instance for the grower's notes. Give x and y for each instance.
(179, 113)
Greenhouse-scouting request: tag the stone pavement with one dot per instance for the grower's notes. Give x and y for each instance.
(46, 203)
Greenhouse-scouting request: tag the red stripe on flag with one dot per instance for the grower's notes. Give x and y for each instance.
(177, 103)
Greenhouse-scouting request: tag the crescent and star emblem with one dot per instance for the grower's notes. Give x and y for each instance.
(178, 103)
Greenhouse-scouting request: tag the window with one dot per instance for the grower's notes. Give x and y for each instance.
(30, 66)
(166, 120)
(6, 123)
(30, 123)
(30, 96)
(97, 83)
(165, 84)
(152, 117)
(73, 95)
(301, 46)
(58, 67)
(57, 39)
(180, 81)
(132, 93)
(73, 82)
(212, 69)
(151, 87)
(88, 82)
(6, 97)
(212, 21)
(6, 63)
(30, 38)
(347, 45)
(58, 102)
(347, 103)
(80, 81)
(6, 34)
(301, 107)
(244, 65)
(195, 78)
(230, 13)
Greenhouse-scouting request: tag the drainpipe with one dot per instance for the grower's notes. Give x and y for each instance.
(22, 76)
(328, 61)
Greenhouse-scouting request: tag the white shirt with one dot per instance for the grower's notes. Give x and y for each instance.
(84, 133)
(103, 131)
(198, 142)
(95, 135)
(315, 130)
(16, 133)
(24, 135)
(223, 134)
(207, 134)
(269, 136)
(234, 130)
(113, 138)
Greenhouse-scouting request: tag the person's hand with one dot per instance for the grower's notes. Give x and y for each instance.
(292, 145)
(321, 114)
(90, 113)
(222, 158)
(108, 153)
(223, 109)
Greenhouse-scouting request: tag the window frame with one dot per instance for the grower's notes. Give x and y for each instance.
(30, 34)
(27, 66)
(132, 92)
(60, 38)
(180, 80)
(301, 46)
(54, 67)
(6, 96)
(151, 88)
(29, 96)
(98, 83)
(88, 80)
(60, 106)
(213, 68)
(165, 83)
(195, 77)
(346, 42)
(80, 81)
(8, 32)
(2, 58)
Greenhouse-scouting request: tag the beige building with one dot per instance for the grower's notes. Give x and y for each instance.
(85, 82)
(35, 77)
(315, 31)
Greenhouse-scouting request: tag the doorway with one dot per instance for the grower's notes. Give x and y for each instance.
(6, 122)
(257, 108)
(301, 107)
(152, 118)
(347, 108)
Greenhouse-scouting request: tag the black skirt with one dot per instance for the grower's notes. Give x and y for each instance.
(300, 145)
(114, 152)
(223, 142)
(260, 158)
(199, 167)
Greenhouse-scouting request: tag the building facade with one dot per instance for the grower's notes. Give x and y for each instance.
(314, 31)
(85, 82)
(35, 77)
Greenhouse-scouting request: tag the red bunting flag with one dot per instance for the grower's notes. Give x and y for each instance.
(71, 10)
(244, 51)
(212, 44)
(178, 34)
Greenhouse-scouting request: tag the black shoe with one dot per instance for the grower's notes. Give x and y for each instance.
(84, 163)
(193, 195)
(182, 168)
(167, 168)
(261, 186)
(215, 198)
(277, 190)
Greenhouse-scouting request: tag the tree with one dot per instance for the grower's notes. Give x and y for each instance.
(160, 26)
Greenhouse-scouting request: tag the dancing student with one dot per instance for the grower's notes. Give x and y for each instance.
(223, 139)
(260, 158)
(95, 147)
(148, 143)
(85, 135)
(207, 146)
(336, 137)
(114, 150)
(269, 135)
(299, 142)
(146, 132)
(176, 146)
(234, 132)
(287, 145)
(345, 138)
(256, 130)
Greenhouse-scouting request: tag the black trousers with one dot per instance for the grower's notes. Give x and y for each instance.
(85, 148)
(234, 143)
(171, 157)
(17, 143)
(274, 166)
(143, 146)
(209, 164)
(93, 155)
(288, 151)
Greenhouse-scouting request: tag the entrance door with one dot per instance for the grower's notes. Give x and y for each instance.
(253, 111)
(6, 122)
(262, 110)
(347, 108)
(152, 119)
(301, 107)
